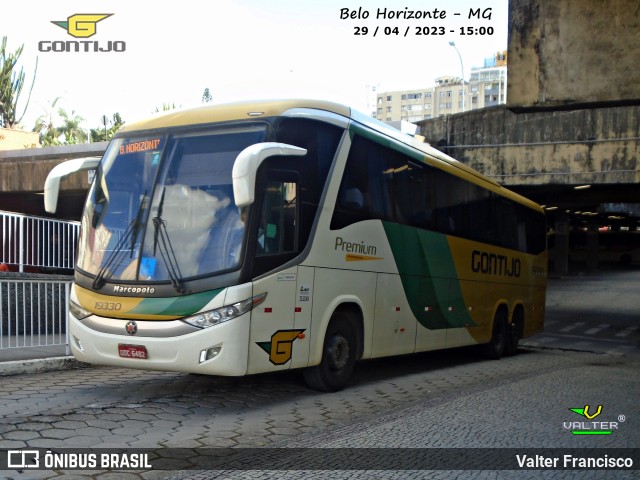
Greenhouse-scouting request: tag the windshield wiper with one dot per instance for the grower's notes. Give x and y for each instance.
(132, 231)
(161, 239)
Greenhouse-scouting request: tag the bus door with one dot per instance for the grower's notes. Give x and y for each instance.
(274, 332)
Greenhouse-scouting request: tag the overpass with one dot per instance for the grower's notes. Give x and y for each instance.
(23, 172)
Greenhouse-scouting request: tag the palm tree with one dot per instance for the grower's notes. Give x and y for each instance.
(71, 129)
(49, 133)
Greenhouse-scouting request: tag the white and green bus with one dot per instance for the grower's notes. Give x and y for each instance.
(257, 237)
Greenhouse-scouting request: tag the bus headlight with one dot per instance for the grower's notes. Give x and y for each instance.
(77, 311)
(224, 314)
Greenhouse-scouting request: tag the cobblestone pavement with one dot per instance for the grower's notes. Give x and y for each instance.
(445, 399)
(440, 399)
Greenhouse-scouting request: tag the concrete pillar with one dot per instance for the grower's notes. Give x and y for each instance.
(592, 247)
(561, 264)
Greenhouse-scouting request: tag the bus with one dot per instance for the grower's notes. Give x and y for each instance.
(258, 237)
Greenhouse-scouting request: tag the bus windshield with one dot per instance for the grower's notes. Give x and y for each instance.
(162, 207)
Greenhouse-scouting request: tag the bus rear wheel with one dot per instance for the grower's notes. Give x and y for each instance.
(496, 346)
(514, 332)
(338, 356)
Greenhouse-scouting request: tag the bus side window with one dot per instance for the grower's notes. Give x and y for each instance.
(278, 219)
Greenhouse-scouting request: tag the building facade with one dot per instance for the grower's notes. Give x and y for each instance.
(12, 139)
(487, 86)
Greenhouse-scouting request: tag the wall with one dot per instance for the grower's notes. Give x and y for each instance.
(573, 52)
(26, 170)
(536, 148)
(11, 139)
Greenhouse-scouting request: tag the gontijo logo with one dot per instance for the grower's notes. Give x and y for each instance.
(81, 25)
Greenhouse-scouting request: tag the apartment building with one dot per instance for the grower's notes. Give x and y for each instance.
(487, 86)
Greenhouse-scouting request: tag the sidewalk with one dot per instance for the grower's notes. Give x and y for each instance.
(16, 361)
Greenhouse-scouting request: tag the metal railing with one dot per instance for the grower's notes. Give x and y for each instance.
(44, 243)
(34, 312)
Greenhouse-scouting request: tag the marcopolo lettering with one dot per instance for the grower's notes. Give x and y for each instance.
(122, 289)
(72, 46)
(494, 264)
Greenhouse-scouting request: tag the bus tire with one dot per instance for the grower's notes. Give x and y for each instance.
(338, 356)
(514, 332)
(496, 346)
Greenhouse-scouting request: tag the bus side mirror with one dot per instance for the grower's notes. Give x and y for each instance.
(247, 163)
(52, 183)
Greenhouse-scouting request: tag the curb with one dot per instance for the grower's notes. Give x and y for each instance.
(40, 365)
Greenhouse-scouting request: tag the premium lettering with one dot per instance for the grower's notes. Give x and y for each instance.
(353, 247)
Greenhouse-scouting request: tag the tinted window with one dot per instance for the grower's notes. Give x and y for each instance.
(382, 183)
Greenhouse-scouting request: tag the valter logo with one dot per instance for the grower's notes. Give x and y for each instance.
(591, 427)
(82, 25)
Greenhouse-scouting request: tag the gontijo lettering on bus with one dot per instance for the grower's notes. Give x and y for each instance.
(494, 264)
(142, 146)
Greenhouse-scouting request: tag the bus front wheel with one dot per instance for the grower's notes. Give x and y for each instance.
(338, 356)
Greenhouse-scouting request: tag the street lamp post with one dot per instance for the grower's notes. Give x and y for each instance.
(453, 44)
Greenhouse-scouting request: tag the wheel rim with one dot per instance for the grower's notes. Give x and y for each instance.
(338, 353)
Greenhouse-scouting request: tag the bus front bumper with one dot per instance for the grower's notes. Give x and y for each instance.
(217, 350)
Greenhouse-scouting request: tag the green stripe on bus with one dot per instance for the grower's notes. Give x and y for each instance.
(428, 275)
(176, 306)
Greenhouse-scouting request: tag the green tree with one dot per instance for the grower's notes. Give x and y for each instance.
(59, 127)
(166, 107)
(11, 83)
(206, 96)
(99, 134)
(49, 133)
(70, 128)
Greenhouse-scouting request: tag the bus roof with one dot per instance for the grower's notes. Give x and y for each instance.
(231, 111)
(209, 113)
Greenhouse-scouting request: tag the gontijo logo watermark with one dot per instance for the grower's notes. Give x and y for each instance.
(592, 427)
(82, 25)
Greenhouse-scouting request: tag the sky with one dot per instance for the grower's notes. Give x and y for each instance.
(241, 50)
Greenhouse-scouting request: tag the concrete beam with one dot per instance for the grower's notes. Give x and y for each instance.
(570, 53)
(25, 170)
(595, 146)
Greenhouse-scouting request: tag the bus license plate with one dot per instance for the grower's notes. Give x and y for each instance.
(133, 351)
